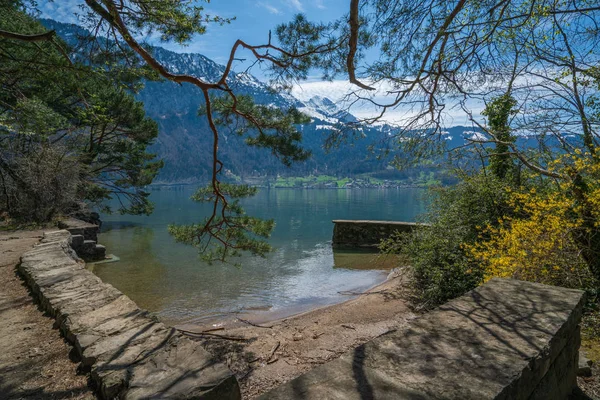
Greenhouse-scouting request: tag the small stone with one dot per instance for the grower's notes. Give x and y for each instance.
(297, 337)
(585, 366)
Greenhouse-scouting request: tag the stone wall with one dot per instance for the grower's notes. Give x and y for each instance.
(78, 227)
(130, 355)
(507, 339)
(358, 234)
(84, 239)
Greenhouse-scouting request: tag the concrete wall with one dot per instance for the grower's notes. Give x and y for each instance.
(507, 339)
(359, 234)
(130, 355)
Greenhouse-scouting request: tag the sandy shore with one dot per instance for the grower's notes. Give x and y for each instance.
(276, 352)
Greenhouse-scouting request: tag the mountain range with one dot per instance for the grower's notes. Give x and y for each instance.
(185, 141)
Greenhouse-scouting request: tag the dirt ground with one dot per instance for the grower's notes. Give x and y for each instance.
(279, 351)
(34, 358)
(588, 387)
(590, 347)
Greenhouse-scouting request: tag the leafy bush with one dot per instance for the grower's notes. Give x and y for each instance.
(441, 266)
(550, 234)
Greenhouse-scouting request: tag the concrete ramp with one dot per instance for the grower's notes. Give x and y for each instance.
(507, 339)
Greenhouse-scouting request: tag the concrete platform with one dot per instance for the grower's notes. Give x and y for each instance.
(507, 339)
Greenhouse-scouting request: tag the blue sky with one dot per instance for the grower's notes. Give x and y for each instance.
(253, 21)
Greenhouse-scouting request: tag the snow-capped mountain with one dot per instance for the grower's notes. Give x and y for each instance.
(321, 109)
(185, 140)
(204, 68)
(325, 110)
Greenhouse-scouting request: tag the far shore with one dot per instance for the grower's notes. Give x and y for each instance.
(262, 186)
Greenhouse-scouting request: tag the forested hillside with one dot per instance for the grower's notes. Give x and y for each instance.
(184, 142)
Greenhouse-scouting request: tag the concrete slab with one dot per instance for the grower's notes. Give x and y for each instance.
(496, 342)
(181, 369)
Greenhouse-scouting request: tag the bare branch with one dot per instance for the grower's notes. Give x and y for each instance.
(353, 44)
(40, 37)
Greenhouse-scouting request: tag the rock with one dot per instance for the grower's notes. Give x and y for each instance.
(585, 366)
(82, 212)
(100, 252)
(77, 242)
(79, 227)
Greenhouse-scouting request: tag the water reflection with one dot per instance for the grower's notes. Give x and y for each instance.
(362, 260)
(169, 278)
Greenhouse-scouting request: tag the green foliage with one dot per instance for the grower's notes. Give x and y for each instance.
(228, 232)
(498, 113)
(84, 111)
(441, 267)
(315, 41)
(273, 128)
(173, 20)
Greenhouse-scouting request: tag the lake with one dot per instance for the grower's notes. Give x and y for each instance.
(301, 273)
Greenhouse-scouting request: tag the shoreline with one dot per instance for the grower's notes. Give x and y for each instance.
(266, 354)
(283, 314)
(159, 186)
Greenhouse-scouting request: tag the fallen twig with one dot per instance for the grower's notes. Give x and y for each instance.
(214, 329)
(333, 351)
(348, 327)
(206, 333)
(273, 350)
(351, 293)
(253, 324)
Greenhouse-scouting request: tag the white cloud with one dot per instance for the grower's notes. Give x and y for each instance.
(63, 11)
(295, 4)
(319, 4)
(474, 135)
(269, 8)
(338, 90)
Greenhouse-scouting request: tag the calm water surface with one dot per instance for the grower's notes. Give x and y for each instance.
(303, 272)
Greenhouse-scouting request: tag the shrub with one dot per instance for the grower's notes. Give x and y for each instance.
(536, 244)
(441, 265)
(39, 185)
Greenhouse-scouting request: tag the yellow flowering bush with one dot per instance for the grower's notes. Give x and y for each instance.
(542, 240)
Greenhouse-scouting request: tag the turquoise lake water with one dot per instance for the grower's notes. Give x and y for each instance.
(303, 272)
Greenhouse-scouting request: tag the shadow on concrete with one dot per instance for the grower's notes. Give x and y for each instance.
(498, 340)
